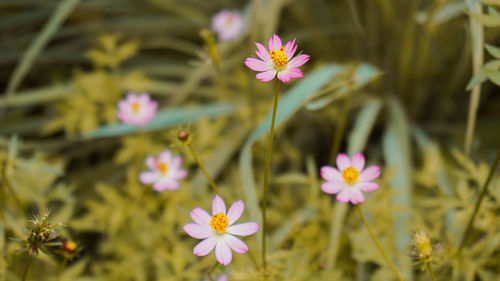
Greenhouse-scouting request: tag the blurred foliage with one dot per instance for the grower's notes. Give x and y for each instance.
(404, 65)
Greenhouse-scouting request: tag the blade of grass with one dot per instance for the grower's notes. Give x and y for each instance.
(62, 11)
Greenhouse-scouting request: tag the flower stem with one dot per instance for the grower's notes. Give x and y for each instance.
(25, 274)
(477, 36)
(478, 202)
(377, 243)
(429, 266)
(209, 273)
(339, 132)
(61, 268)
(209, 178)
(266, 176)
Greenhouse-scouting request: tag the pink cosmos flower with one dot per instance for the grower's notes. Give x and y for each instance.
(227, 24)
(350, 179)
(278, 60)
(165, 172)
(136, 109)
(218, 230)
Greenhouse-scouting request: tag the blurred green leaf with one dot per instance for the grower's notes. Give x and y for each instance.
(167, 118)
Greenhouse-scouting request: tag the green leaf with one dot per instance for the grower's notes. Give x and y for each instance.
(396, 147)
(493, 75)
(487, 20)
(491, 2)
(363, 125)
(494, 51)
(63, 10)
(477, 79)
(167, 118)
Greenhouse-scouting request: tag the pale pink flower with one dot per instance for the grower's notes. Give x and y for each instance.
(350, 179)
(227, 24)
(278, 60)
(218, 231)
(165, 172)
(136, 109)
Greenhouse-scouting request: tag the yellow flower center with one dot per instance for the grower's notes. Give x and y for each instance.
(219, 222)
(135, 106)
(162, 167)
(350, 174)
(279, 58)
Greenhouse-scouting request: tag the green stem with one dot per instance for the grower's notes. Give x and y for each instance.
(209, 178)
(266, 176)
(468, 229)
(61, 268)
(25, 274)
(339, 132)
(377, 243)
(429, 266)
(477, 36)
(209, 273)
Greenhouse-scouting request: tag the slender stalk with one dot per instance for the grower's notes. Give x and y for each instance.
(209, 178)
(468, 229)
(209, 273)
(339, 132)
(377, 243)
(28, 262)
(266, 175)
(477, 35)
(61, 268)
(429, 266)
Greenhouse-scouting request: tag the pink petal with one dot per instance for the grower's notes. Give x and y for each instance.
(295, 73)
(358, 161)
(165, 157)
(368, 186)
(205, 246)
(177, 161)
(331, 187)
(243, 229)
(284, 76)
(223, 253)
(198, 231)
(276, 43)
(290, 48)
(266, 76)
(200, 216)
(257, 65)
(165, 184)
(131, 97)
(148, 177)
(236, 244)
(343, 161)
(144, 99)
(150, 162)
(344, 196)
(299, 60)
(356, 196)
(370, 173)
(218, 205)
(262, 52)
(331, 174)
(223, 277)
(180, 174)
(235, 211)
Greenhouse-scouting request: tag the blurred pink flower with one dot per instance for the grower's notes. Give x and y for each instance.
(217, 231)
(136, 109)
(278, 60)
(165, 172)
(227, 24)
(350, 179)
